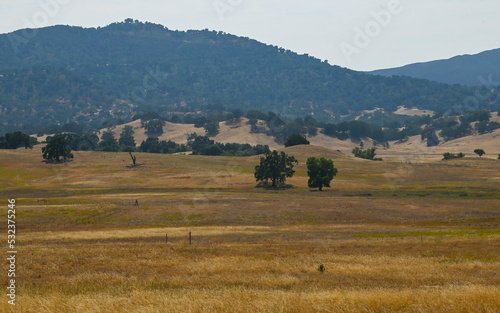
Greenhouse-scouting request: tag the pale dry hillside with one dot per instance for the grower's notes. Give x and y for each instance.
(412, 150)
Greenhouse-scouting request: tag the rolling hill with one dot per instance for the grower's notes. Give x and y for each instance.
(413, 149)
(481, 69)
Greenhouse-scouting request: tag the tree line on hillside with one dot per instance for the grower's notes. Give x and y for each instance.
(286, 131)
(390, 128)
(448, 127)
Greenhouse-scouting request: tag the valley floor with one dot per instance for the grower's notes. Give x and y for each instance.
(391, 237)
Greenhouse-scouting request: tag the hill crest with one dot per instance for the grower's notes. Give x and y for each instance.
(481, 69)
(140, 67)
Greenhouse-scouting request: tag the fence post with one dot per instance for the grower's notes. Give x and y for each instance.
(166, 238)
(189, 238)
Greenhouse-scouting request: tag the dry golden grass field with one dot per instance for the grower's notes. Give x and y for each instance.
(391, 236)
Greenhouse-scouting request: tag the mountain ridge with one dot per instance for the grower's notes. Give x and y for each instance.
(482, 69)
(142, 67)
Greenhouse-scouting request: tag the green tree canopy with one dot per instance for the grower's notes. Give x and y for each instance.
(15, 140)
(108, 142)
(154, 128)
(321, 172)
(212, 128)
(56, 149)
(368, 154)
(276, 167)
(479, 152)
(295, 140)
(449, 156)
(127, 137)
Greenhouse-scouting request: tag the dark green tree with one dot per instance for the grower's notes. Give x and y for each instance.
(368, 154)
(151, 145)
(108, 142)
(212, 128)
(256, 115)
(295, 140)
(479, 152)
(321, 172)
(237, 113)
(89, 142)
(56, 149)
(154, 128)
(275, 166)
(449, 156)
(312, 130)
(127, 137)
(429, 134)
(330, 130)
(290, 129)
(16, 140)
(432, 139)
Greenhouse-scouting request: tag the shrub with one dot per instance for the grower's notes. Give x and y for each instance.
(295, 140)
(368, 154)
(449, 156)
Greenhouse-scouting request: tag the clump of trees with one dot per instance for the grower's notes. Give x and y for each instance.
(86, 142)
(450, 156)
(295, 140)
(202, 145)
(275, 167)
(368, 154)
(17, 140)
(430, 135)
(56, 149)
(127, 137)
(212, 128)
(154, 145)
(321, 172)
(154, 128)
(108, 142)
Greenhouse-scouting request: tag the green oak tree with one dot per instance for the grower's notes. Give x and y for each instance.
(127, 137)
(479, 152)
(108, 142)
(321, 172)
(295, 140)
(275, 166)
(56, 149)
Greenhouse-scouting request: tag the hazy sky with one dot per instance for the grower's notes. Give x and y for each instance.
(358, 34)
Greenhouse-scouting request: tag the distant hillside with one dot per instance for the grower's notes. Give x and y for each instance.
(131, 67)
(465, 70)
(46, 95)
(413, 148)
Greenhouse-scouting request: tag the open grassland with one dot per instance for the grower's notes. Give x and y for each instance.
(392, 237)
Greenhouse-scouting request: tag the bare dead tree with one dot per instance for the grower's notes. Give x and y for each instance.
(134, 158)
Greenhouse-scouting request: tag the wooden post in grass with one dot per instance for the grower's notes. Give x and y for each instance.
(189, 238)
(166, 238)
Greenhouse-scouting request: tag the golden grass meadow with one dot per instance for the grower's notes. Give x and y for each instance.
(390, 236)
